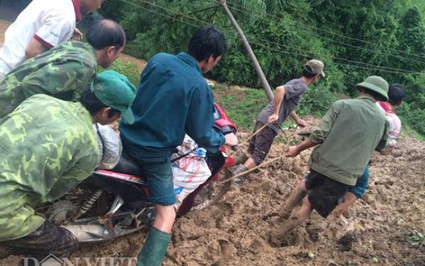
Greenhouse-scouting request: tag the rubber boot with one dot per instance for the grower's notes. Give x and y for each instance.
(291, 202)
(155, 247)
(237, 182)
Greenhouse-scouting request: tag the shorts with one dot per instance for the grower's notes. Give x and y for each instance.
(324, 193)
(159, 178)
(260, 144)
(48, 239)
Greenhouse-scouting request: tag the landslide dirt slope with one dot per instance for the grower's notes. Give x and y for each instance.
(236, 230)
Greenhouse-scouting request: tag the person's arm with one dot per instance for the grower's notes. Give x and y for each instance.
(300, 122)
(319, 134)
(56, 28)
(277, 102)
(77, 35)
(81, 160)
(383, 143)
(81, 170)
(394, 124)
(295, 150)
(35, 48)
(200, 121)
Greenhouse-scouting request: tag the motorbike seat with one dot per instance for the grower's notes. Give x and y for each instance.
(127, 165)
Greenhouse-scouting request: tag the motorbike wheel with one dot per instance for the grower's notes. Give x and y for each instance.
(94, 225)
(213, 192)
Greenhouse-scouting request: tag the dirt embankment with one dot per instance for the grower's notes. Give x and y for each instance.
(382, 226)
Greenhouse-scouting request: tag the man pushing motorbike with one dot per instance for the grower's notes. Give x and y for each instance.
(173, 99)
(48, 147)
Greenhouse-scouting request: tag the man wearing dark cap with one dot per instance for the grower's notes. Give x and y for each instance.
(48, 146)
(286, 99)
(346, 138)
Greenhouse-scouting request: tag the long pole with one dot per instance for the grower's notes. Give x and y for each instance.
(251, 54)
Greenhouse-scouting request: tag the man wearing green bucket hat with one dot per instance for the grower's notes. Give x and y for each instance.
(346, 138)
(48, 147)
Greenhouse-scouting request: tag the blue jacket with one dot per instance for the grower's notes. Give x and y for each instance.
(173, 98)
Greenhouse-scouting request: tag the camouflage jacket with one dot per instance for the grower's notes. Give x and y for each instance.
(62, 72)
(48, 146)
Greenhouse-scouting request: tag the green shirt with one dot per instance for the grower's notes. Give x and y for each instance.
(348, 134)
(48, 146)
(62, 72)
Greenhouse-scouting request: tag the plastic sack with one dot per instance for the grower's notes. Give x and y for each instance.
(190, 169)
(110, 146)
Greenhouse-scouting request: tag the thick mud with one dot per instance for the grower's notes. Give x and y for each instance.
(383, 228)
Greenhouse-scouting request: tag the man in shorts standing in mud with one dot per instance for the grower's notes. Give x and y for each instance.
(173, 99)
(396, 95)
(270, 119)
(346, 137)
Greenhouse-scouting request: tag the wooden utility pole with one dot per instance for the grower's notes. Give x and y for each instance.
(251, 54)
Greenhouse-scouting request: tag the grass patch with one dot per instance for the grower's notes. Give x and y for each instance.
(242, 105)
(128, 69)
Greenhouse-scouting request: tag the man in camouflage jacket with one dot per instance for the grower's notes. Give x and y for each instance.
(48, 146)
(64, 71)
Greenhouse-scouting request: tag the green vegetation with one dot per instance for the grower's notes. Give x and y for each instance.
(129, 69)
(242, 105)
(354, 38)
(416, 239)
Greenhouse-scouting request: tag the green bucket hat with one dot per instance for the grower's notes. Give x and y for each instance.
(376, 84)
(116, 91)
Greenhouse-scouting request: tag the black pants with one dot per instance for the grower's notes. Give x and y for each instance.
(324, 193)
(261, 143)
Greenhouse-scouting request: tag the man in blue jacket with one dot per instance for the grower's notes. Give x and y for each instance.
(173, 99)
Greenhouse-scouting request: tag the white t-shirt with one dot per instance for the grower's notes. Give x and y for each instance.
(393, 120)
(51, 22)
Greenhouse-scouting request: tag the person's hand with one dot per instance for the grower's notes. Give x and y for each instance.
(77, 35)
(292, 151)
(301, 122)
(273, 118)
(231, 139)
(340, 209)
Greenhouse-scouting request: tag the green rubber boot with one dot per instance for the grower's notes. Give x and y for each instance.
(154, 249)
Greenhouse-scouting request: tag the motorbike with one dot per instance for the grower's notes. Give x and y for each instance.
(112, 203)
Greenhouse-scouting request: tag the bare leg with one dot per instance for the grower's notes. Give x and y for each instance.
(249, 164)
(165, 217)
(159, 237)
(279, 234)
(296, 197)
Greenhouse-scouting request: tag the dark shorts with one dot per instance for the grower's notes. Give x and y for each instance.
(324, 193)
(260, 144)
(159, 178)
(47, 239)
